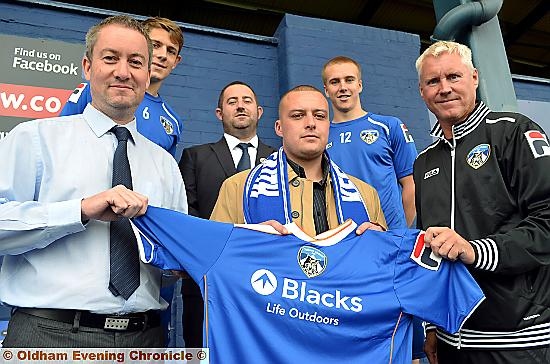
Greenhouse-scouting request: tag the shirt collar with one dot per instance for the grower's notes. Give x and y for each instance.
(232, 141)
(467, 126)
(300, 172)
(102, 124)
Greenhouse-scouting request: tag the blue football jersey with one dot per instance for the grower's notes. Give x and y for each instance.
(335, 298)
(154, 119)
(378, 150)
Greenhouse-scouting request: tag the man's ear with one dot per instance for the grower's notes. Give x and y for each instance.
(178, 60)
(278, 129)
(86, 66)
(475, 77)
(260, 112)
(219, 114)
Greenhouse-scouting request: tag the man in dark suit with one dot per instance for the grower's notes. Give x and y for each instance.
(205, 167)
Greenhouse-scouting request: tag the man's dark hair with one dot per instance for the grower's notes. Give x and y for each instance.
(220, 98)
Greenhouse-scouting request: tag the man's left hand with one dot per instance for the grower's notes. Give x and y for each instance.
(368, 226)
(449, 244)
(277, 226)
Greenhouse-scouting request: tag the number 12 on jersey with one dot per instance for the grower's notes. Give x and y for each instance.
(345, 137)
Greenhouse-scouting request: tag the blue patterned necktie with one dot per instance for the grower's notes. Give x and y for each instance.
(244, 162)
(124, 264)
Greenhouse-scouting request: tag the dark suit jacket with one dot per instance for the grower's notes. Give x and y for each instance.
(204, 168)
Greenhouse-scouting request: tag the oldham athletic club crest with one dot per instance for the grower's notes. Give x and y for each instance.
(369, 136)
(168, 127)
(478, 156)
(312, 261)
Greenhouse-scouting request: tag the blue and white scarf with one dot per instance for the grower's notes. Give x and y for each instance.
(267, 196)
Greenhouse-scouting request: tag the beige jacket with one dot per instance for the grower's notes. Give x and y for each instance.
(229, 206)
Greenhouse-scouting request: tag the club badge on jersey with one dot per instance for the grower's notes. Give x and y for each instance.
(369, 136)
(312, 261)
(479, 155)
(167, 125)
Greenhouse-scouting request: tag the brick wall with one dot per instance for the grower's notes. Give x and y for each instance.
(390, 83)
(295, 55)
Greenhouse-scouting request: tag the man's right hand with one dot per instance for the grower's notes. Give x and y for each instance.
(430, 347)
(112, 204)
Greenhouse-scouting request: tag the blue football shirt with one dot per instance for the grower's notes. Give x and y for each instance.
(379, 150)
(155, 119)
(335, 298)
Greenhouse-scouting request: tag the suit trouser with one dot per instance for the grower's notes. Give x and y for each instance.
(448, 354)
(192, 313)
(28, 331)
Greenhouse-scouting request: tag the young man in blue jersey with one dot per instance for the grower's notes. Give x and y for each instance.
(375, 148)
(156, 120)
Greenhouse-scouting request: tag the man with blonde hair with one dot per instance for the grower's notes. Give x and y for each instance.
(483, 197)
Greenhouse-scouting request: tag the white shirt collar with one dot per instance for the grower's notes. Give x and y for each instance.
(232, 142)
(101, 123)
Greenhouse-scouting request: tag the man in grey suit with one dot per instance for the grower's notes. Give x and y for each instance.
(204, 168)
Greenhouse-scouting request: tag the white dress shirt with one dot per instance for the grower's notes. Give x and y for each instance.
(237, 152)
(53, 260)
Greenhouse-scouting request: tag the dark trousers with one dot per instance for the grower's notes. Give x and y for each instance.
(192, 313)
(450, 355)
(28, 331)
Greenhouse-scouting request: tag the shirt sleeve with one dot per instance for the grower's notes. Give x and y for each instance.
(403, 148)
(25, 222)
(178, 132)
(173, 148)
(172, 240)
(525, 162)
(180, 196)
(431, 288)
(417, 167)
